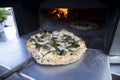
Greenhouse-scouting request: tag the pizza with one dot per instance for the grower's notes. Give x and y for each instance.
(56, 48)
(84, 26)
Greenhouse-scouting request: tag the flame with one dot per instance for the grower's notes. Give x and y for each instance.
(60, 12)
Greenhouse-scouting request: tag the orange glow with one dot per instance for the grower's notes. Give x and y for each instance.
(60, 12)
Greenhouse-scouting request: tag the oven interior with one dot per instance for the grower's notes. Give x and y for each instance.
(96, 26)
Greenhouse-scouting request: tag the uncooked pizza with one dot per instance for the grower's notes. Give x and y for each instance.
(56, 48)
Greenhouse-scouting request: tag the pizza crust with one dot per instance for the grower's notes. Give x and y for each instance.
(53, 58)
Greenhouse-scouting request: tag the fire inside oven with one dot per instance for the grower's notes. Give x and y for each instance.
(90, 24)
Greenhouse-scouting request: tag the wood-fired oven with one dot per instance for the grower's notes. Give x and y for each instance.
(96, 21)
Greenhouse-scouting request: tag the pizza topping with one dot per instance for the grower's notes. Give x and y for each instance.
(53, 43)
(47, 53)
(42, 37)
(68, 38)
(62, 52)
(46, 47)
(37, 46)
(32, 40)
(40, 40)
(61, 41)
(36, 37)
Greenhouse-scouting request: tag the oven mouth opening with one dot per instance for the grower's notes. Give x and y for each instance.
(81, 19)
(93, 25)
